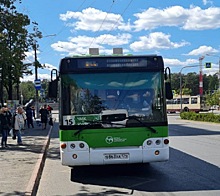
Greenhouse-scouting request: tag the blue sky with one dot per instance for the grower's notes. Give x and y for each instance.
(181, 31)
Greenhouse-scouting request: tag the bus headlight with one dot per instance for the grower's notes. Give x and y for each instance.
(72, 145)
(157, 142)
(149, 142)
(81, 145)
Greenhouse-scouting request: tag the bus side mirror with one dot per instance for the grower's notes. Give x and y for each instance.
(168, 88)
(53, 85)
(53, 89)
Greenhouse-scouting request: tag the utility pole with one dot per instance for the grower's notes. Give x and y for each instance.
(1, 85)
(36, 72)
(36, 78)
(201, 76)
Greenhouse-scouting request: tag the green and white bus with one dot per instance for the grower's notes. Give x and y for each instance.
(112, 109)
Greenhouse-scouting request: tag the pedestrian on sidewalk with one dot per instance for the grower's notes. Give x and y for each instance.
(9, 115)
(29, 115)
(44, 113)
(4, 126)
(19, 122)
(33, 111)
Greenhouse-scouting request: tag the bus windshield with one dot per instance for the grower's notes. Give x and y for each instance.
(137, 93)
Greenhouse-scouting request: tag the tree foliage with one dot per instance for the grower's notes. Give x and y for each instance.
(13, 44)
(15, 40)
(190, 83)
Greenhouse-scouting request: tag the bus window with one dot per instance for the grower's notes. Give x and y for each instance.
(194, 100)
(185, 101)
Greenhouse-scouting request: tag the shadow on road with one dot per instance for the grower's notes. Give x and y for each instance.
(181, 173)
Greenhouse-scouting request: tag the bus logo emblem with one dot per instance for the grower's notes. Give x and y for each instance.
(109, 139)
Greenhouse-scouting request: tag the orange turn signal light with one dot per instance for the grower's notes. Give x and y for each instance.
(63, 145)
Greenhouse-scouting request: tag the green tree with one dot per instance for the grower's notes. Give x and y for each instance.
(14, 33)
(190, 83)
(27, 90)
(213, 98)
(15, 41)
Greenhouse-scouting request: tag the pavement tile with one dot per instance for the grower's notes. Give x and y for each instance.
(18, 162)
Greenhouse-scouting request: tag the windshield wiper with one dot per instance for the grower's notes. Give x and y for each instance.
(141, 122)
(118, 125)
(98, 122)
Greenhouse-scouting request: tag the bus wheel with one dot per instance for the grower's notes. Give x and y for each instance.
(186, 109)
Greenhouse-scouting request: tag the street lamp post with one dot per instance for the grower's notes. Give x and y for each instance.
(200, 76)
(218, 69)
(36, 72)
(1, 86)
(36, 78)
(181, 106)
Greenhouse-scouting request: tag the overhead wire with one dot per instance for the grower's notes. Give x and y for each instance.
(102, 23)
(80, 6)
(61, 30)
(76, 11)
(117, 20)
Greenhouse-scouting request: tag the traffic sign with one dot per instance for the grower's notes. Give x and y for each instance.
(37, 84)
(208, 65)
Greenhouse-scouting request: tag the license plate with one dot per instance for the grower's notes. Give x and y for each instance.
(121, 156)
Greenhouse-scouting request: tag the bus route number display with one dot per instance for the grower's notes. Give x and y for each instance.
(69, 120)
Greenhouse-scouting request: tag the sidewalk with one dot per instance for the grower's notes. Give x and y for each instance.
(20, 165)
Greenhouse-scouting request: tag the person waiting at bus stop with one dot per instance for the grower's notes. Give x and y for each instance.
(4, 126)
(29, 114)
(19, 122)
(44, 113)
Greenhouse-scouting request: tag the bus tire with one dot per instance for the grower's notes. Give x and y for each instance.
(186, 109)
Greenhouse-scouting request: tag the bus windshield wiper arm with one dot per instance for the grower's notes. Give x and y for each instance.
(144, 124)
(98, 122)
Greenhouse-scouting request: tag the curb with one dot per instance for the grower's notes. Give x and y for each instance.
(33, 183)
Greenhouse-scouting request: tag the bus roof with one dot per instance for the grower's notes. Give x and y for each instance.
(111, 62)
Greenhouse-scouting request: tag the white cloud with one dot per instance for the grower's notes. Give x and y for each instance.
(156, 40)
(81, 44)
(193, 18)
(177, 63)
(29, 57)
(202, 50)
(49, 67)
(114, 40)
(31, 78)
(205, 2)
(92, 19)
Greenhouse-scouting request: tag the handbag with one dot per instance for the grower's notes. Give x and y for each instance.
(13, 134)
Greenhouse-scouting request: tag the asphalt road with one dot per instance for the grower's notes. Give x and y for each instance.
(193, 168)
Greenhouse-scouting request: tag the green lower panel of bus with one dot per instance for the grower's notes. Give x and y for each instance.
(113, 137)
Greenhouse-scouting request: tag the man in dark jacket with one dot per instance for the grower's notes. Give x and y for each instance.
(4, 126)
(44, 113)
(29, 114)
